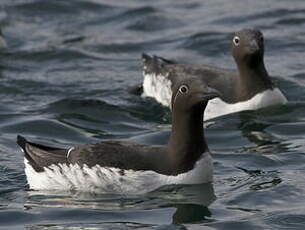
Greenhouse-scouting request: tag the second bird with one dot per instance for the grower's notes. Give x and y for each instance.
(248, 88)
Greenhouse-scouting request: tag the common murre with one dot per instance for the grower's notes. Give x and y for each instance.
(126, 167)
(248, 88)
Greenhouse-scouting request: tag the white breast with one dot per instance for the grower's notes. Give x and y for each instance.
(159, 87)
(111, 180)
(217, 107)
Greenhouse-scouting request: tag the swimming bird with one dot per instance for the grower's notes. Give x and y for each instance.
(248, 88)
(126, 167)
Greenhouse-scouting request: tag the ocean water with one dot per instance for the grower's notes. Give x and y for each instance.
(64, 79)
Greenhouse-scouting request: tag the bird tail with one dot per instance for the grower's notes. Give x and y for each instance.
(21, 141)
(40, 156)
(154, 64)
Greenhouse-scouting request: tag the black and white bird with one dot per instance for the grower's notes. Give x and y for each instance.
(248, 88)
(127, 167)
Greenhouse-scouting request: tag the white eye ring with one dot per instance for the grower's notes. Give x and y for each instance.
(183, 89)
(236, 40)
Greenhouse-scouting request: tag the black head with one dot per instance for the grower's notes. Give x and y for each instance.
(247, 45)
(192, 93)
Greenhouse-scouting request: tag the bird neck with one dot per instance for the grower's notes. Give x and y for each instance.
(253, 78)
(187, 142)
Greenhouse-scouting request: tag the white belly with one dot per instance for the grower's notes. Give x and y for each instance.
(159, 87)
(111, 180)
(217, 107)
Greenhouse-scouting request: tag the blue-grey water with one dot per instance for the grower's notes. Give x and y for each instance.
(63, 81)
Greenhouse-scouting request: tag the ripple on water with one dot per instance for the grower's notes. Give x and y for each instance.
(208, 43)
(63, 82)
(294, 219)
(96, 117)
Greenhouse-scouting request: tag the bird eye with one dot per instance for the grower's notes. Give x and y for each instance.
(183, 89)
(236, 40)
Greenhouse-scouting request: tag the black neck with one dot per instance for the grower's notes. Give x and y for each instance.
(253, 78)
(187, 142)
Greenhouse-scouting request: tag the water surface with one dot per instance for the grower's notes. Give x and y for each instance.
(63, 81)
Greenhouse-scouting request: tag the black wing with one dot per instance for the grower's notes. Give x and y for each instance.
(119, 154)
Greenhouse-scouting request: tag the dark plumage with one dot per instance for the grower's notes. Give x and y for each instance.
(250, 79)
(186, 145)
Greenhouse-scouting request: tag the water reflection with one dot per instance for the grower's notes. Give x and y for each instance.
(191, 213)
(254, 127)
(175, 204)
